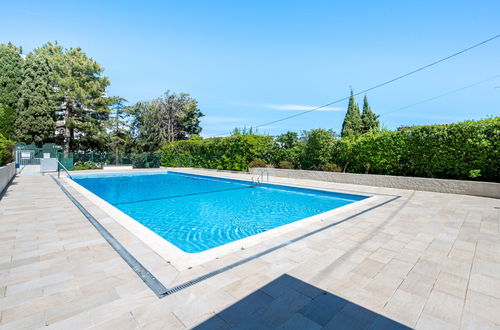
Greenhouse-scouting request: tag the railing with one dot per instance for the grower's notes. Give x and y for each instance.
(60, 165)
(260, 178)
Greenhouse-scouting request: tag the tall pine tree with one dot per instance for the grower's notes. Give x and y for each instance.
(10, 84)
(36, 106)
(352, 124)
(81, 93)
(369, 118)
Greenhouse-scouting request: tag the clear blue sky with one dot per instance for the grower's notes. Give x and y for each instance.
(248, 62)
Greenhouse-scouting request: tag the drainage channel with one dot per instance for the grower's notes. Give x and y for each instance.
(154, 284)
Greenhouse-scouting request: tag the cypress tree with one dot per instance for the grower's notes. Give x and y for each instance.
(10, 84)
(369, 118)
(352, 124)
(36, 106)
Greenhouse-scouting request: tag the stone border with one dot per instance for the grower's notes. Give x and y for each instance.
(461, 187)
(7, 173)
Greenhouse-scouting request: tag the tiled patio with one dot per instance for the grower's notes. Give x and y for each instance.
(424, 260)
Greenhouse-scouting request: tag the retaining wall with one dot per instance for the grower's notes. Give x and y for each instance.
(7, 172)
(474, 188)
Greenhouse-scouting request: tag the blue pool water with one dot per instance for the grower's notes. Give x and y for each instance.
(197, 213)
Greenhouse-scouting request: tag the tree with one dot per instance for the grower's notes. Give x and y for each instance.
(318, 147)
(119, 133)
(168, 118)
(36, 105)
(369, 118)
(352, 124)
(10, 84)
(80, 90)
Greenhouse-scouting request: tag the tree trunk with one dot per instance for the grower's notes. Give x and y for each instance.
(68, 131)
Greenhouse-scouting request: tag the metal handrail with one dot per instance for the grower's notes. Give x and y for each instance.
(64, 168)
(260, 178)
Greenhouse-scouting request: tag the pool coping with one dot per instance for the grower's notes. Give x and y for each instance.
(183, 260)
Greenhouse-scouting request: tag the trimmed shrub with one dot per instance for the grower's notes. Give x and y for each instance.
(257, 163)
(331, 167)
(285, 164)
(231, 153)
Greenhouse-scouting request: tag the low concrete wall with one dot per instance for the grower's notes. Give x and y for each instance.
(7, 172)
(474, 188)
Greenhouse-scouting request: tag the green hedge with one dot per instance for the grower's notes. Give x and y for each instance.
(469, 150)
(231, 153)
(6, 150)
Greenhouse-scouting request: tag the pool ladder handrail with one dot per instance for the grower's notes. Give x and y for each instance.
(64, 168)
(260, 178)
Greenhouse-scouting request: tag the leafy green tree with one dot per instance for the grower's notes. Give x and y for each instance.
(80, 89)
(36, 105)
(369, 118)
(189, 120)
(168, 118)
(352, 124)
(317, 150)
(10, 84)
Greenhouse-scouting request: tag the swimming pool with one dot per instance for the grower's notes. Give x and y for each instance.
(197, 213)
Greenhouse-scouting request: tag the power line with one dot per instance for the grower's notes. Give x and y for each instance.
(378, 85)
(441, 95)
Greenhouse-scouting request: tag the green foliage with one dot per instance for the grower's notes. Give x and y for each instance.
(467, 150)
(331, 167)
(369, 118)
(230, 153)
(7, 121)
(168, 118)
(317, 150)
(257, 163)
(286, 164)
(80, 90)
(88, 165)
(35, 119)
(352, 124)
(146, 160)
(6, 150)
(10, 84)
(10, 75)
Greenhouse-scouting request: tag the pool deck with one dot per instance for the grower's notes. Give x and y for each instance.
(424, 260)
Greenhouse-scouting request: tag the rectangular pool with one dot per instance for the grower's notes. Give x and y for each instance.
(197, 213)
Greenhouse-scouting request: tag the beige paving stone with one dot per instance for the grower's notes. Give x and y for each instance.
(486, 268)
(168, 321)
(428, 322)
(485, 284)
(471, 321)
(427, 268)
(369, 267)
(483, 306)
(445, 307)
(31, 321)
(202, 308)
(451, 284)
(404, 307)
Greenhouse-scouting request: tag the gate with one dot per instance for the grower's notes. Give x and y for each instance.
(30, 154)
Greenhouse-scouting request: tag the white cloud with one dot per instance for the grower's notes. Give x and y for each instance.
(298, 107)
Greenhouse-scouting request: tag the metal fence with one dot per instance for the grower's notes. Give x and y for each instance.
(30, 154)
